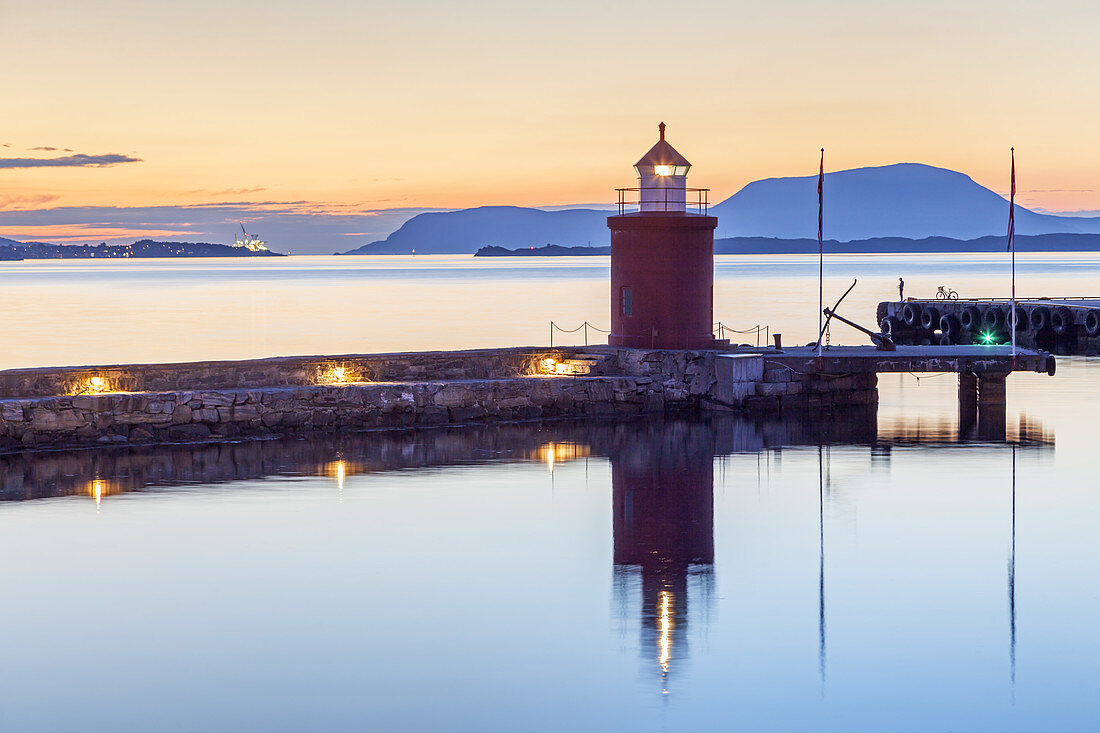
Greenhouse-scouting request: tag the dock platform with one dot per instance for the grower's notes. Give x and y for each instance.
(982, 370)
(1058, 325)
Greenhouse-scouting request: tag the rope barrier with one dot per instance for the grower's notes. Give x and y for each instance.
(718, 326)
(722, 328)
(586, 325)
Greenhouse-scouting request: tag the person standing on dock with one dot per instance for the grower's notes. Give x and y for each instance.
(901, 289)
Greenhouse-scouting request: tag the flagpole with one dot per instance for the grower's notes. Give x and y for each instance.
(820, 251)
(1012, 247)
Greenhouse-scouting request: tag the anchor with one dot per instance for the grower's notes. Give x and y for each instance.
(881, 341)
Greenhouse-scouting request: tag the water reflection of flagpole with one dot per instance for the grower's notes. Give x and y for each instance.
(1012, 581)
(821, 569)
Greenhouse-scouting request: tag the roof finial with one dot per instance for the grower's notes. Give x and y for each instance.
(661, 129)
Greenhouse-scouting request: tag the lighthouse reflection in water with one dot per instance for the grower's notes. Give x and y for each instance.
(663, 508)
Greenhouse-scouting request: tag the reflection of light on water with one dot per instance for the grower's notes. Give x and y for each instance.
(553, 453)
(337, 470)
(664, 629)
(97, 489)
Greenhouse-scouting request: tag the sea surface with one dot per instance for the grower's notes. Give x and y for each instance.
(873, 572)
(77, 312)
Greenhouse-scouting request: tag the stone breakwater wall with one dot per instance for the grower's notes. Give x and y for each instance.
(289, 371)
(165, 403)
(188, 416)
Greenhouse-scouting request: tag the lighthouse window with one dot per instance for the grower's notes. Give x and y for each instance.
(628, 302)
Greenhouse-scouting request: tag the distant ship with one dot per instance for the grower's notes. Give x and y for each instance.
(251, 242)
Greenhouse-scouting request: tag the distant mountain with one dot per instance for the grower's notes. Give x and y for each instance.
(465, 231)
(904, 200)
(886, 245)
(907, 200)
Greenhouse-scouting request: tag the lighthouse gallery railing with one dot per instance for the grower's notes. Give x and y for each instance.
(694, 200)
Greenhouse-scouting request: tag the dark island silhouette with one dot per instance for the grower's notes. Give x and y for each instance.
(143, 248)
(878, 245)
(880, 208)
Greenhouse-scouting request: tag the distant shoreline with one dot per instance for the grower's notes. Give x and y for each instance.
(142, 249)
(880, 245)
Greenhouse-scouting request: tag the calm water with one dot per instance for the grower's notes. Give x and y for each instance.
(110, 312)
(862, 574)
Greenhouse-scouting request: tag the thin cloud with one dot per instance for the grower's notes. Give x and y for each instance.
(227, 191)
(26, 200)
(69, 161)
(51, 149)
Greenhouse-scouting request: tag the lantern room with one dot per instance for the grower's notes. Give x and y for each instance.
(662, 177)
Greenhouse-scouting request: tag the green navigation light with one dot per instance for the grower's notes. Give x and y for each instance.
(987, 337)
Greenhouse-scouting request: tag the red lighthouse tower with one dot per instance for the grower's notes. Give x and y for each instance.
(662, 259)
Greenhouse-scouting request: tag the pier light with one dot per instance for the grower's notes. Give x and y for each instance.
(550, 365)
(94, 384)
(337, 374)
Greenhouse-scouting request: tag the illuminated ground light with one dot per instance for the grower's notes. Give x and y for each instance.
(338, 374)
(553, 366)
(94, 385)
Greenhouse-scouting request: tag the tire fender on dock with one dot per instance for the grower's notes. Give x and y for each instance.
(1061, 320)
(910, 314)
(949, 326)
(1039, 318)
(1092, 322)
(993, 318)
(970, 319)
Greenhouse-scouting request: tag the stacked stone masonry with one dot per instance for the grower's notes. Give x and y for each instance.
(227, 400)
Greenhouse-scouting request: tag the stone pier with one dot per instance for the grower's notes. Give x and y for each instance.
(210, 401)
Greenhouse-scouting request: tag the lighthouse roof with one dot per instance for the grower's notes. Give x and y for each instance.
(662, 153)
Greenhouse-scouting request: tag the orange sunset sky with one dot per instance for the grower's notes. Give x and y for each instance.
(349, 106)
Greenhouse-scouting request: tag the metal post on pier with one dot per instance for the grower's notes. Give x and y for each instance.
(1012, 247)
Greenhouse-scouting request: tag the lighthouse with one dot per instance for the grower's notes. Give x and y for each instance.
(662, 258)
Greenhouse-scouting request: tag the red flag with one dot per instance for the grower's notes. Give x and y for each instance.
(820, 197)
(1012, 206)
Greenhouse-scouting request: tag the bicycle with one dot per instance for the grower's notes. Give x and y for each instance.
(946, 293)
